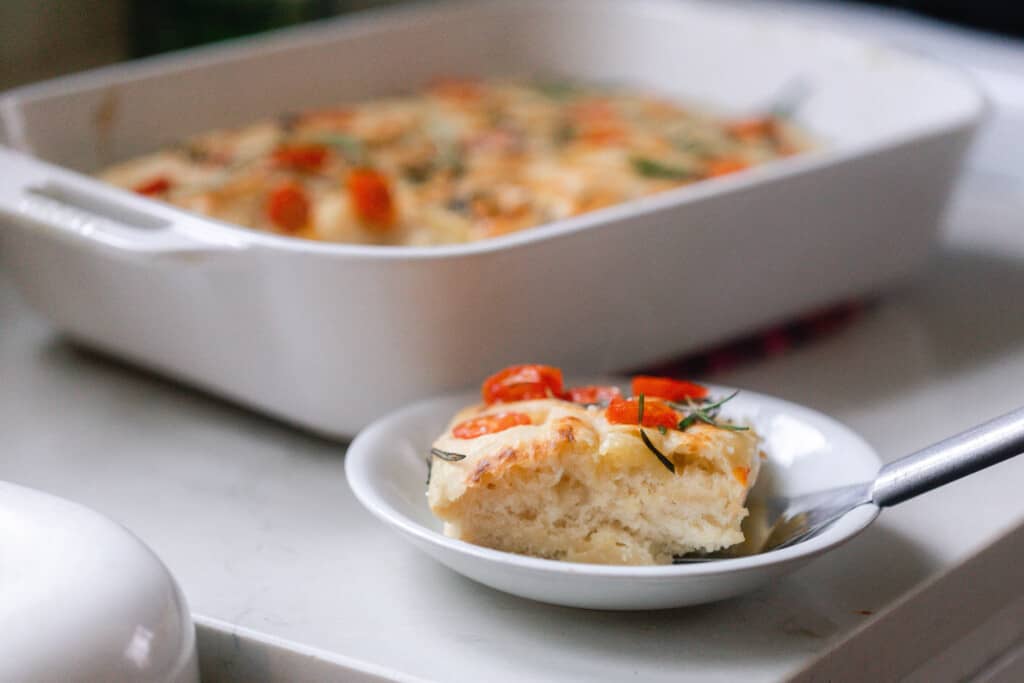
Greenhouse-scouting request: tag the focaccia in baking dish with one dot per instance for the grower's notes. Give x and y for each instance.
(588, 475)
(461, 160)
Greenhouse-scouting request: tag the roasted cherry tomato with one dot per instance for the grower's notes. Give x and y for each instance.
(752, 128)
(722, 167)
(592, 394)
(626, 411)
(155, 186)
(603, 134)
(307, 158)
(288, 207)
(522, 383)
(489, 424)
(667, 388)
(741, 474)
(370, 193)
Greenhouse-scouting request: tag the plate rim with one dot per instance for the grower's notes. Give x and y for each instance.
(356, 456)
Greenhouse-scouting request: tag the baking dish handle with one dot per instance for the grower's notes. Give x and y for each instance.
(43, 199)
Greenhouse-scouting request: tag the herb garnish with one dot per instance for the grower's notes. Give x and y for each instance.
(351, 148)
(650, 168)
(556, 89)
(430, 468)
(447, 456)
(696, 147)
(647, 441)
(564, 133)
(418, 173)
(708, 414)
(661, 456)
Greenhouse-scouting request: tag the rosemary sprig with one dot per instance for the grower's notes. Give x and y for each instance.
(669, 465)
(653, 449)
(564, 133)
(650, 168)
(557, 89)
(708, 414)
(447, 456)
(351, 148)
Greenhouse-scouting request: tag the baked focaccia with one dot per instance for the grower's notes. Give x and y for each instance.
(457, 161)
(575, 480)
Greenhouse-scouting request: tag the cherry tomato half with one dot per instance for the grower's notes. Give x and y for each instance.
(667, 388)
(741, 474)
(522, 383)
(489, 424)
(722, 167)
(307, 158)
(752, 128)
(154, 186)
(370, 194)
(592, 394)
(626, 411)
(288, 207)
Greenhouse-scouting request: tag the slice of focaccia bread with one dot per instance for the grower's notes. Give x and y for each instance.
(552, 478)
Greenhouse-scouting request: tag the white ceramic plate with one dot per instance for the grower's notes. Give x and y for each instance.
(807, 451)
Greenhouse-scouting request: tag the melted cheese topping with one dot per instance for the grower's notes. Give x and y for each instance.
(573, 486)
(460, 161)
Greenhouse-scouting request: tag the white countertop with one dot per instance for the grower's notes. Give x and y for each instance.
(258, 525)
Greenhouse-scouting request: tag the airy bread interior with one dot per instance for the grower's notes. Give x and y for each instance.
(576, 488)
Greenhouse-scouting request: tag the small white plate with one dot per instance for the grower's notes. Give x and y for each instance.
(807, 451)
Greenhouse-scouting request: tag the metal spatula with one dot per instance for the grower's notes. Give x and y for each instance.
(782, 522)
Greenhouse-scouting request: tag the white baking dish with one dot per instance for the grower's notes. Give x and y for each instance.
(329, 336)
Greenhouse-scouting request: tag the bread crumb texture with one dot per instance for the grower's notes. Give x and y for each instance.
(571, 486)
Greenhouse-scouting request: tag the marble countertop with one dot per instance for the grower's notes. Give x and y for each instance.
(256, 521)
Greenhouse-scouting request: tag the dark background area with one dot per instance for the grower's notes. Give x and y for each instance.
(998, 16)
(44, 38)
(168, 24)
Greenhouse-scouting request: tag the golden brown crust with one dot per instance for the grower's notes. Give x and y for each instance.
(559, 426)
(569, 485)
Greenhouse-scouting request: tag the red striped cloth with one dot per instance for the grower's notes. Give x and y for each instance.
(771, 342)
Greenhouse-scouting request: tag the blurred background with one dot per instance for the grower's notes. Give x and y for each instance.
(44, 38)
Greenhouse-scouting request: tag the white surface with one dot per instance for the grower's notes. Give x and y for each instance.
(335, 335)
(807, 452)
(257, 522)
(81, 599)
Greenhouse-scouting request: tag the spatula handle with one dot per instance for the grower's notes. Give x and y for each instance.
(950, 459)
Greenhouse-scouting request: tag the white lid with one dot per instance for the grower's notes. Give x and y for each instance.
(83, 599)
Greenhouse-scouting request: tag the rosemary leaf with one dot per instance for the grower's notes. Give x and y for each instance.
(706, 419)
(430, 469)
(661, 428)
(653, 449)
(557, 90)
(649, 168)
(350, 147)
(640, 410)
(564, 133)
(447, 456)
(687, 422)
(719, 404)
